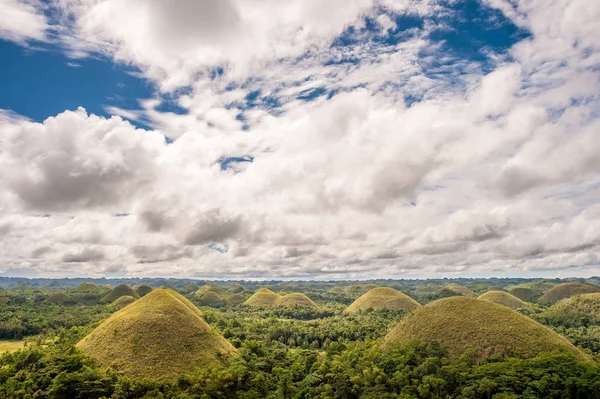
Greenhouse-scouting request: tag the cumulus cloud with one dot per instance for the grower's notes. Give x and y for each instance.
(370, 158)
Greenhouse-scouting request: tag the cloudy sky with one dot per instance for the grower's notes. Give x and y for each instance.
(299, 138)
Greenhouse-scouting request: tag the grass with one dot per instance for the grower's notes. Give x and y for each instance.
(143, 290)
(504, 299)
(295, 299)
(383, 298)
(190, 287)
(237, 288)
(157, 337)
(584, 307)
(236, 298)
(59, 298)
(460, 289)
(337, 290)
(262, 297)
(117, 292)
(525, 294)
(567, 290)
(88, 287)
(11, 346)
(361, 288)
(461, 324)
(212, 299)
(123, 301)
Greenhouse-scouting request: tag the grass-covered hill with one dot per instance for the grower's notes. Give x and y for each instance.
(123, 301)
(211, 288)
(461, 323)
(262, 297)
(577, 311)
(142, 290)
(383, 298)
(236, 288)
(157, 337)
(60, 298)
(504, 299)
(190, 287)
(117, 292)
(525, 294)
(88, 287)
(460, 289)
(567, 290)
(212, 299)
(295, 299)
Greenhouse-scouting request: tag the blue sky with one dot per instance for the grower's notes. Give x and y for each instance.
(260, 139)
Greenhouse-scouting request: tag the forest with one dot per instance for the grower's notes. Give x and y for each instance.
(157, 338)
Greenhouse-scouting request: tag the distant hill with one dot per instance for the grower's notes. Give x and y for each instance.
(236, 288)
(123, 301)
(577, 311)
(383, 298)
(525, 294)
(143, 290)
(295, 299)
(157, 337)
(88, 287)
(460, 289)
(567, 290)
(59, 298)
(504, 299)
(461, 323)
(262, 297)
(117, 292)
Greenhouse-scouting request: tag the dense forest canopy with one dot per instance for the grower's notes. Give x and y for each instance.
(286, 349)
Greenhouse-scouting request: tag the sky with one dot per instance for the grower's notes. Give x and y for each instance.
(299, 139)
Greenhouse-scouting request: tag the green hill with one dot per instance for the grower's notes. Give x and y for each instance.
(117, 292)
(123, 301)
(59, 298)
(212, 299)
(383, 298)
(504, 299)
(525, 294)
(236, 288)
(88, 287)
(295, 299)
(359, 288)
(190, 287)
(143, 290)
(236, 298)
(577, 311)
(567, 290)
(336, 290)
(211, 288)
(157, 337)
(262, 297)
(460, 289)
(461, 323)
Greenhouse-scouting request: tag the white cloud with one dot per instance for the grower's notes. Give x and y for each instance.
(21, 21)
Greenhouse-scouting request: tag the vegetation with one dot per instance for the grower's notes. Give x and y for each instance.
(123, 301)
(117, 292)
(567, 290)
(481, 350)
(383, 298)
(159, 336)
(236, 288)
(484, 328)
(460, 289)
(262, 297)
(504, 299)
(142, 290)
(60, 298)
(11, 345)
(295, 299)
(525, 294)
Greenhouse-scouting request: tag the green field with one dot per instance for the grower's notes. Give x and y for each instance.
(11, 346)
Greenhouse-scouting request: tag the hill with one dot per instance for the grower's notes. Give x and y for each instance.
(461, 323)
(117, 292)
(157, 337)
(567, 290)
(236, 288)
(359, 288)
(577, 311)
(212, 299)
(525, 294)
(295, 299)
(211, 288)
(336, 290)
(383, 298)
(460, 289)
(262, 297)
(88, 287)
(190, 287)
(143, 290)
(504, 299)
(123, 301)
(236, 298)
(59, 298)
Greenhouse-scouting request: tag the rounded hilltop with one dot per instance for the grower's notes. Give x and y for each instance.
(117, 292)
(157, 337)
(262, 297)
(383, 298)
(504, 299)
(123, 301)
(295, 299)
(461, 324)
(577, 311)
(143, 290)
(460, 289)
(87, 287)
(525, 294)
(567, 290)
(211, 295)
